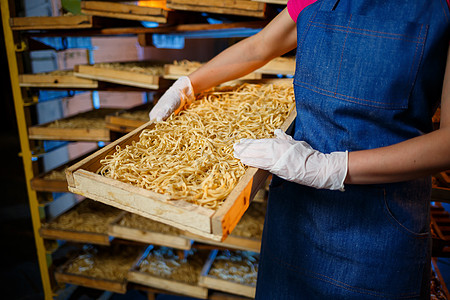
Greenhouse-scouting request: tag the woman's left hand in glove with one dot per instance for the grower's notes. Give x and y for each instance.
(294, 161)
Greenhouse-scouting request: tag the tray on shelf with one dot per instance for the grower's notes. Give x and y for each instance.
(143, 74)
(137, 228)
(86, 126)
(185, 67)
(283, 2)
(162, 268)
(233, 272)
(126, 10)
(86, 222)
(279, 65)
(54, 180)
(56, 79)
(128, 120)
(105, 268)
(438, 288)
(84, 179)
(57, 22)
(441, 187)
(232, 7)
(247, 233)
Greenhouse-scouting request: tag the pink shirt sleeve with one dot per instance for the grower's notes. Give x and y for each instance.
(296, 6)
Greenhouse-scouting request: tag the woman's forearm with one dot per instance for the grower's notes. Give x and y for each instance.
(414, 158)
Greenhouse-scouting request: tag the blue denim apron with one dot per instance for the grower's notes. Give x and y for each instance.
(369, 74)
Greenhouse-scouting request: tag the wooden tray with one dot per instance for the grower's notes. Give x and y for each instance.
(232, 7)
(117, 286)
(441, 187)
(178, 287)
(78, 236)
(91, 282)
(176, 70)
(54, 180)
(58, 22)
(279, 65)
(57, 79)
(212, 224)
(283, 2)
(438, 285)
(124, 77)
(171, 240)
(44, 132)
(219, 284)
(124, 11)
(121, 122)
(241, 242)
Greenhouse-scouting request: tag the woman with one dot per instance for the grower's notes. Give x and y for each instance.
(368, 79)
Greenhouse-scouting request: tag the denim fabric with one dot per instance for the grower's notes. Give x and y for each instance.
(369, 74)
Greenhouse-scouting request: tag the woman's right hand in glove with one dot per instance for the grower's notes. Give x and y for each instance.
(173, 100)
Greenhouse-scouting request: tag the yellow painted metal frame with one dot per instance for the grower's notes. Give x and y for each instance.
(25, 146)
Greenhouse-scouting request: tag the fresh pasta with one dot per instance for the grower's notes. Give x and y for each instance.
(111, 263)
(88, 216)
(165, 263)
(236, 266)
(190, 155)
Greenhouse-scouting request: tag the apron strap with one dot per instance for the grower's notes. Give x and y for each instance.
(329, 5)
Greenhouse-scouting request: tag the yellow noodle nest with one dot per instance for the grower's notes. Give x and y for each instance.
(190, 155)
(111, 263)
(88, 216)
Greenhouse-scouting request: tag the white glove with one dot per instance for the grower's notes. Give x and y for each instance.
(294, 161)
(174, 99)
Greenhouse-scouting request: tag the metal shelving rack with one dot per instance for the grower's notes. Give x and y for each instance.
(15, 44)
(12, 47)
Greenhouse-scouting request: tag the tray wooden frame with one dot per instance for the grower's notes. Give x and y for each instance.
(73, 235)
(42, 132)
(217, 224)
(282, 2)
(232, 7)
(124, 11)
(148, 237)
(41, 184)
(87, 281)
(214, 283)
(121, 124)
(42, 80)
(177, 287)
(230, 242)
(57, 22)
(278, 66)
(118, 76)
(91, 282)
(173, 71)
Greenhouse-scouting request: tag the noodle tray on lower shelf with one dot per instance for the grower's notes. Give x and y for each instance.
(55, 179)
(128, 120)
(85, 126)
(56, 79)
(143, 74)
(86, 222)
(248, 232)
(163, 268)
(137, 228)
(182, 171)
(100, 267)
(233, 272)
